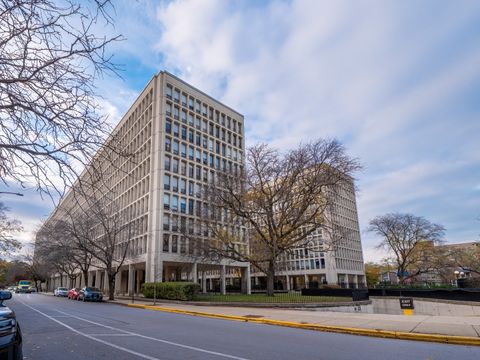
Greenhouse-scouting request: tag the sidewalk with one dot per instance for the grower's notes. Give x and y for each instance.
(452, 329)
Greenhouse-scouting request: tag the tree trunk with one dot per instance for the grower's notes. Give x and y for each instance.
(85, 277)
(111, 286)
(270, 279)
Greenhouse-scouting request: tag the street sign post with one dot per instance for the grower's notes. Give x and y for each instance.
(406, 304)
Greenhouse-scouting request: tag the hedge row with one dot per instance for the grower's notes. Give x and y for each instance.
(171, 290)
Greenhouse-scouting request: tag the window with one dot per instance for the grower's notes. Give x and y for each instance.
(205, 158)
(175, 147)
(169, 91)
(176, 113)
(168, 144)
(204, 142)
(175, 244)
(190, 152)
(183, 205)
(190, 136)
(167, 163)
(166, 222)
(184, 132)
(191, 205)
(175, 203)
(183, 168)
(168, 126)
(190, 119)
(198, 106)
(166, 182)
(183, 150)
(184, 100)
(175, 184)
(190, 188)
(198, 139)
(204, 125)
(212, 164)
(166, 242)
(175, 165)
(198, 172)
(190, 170)
(166, 201)
(168, 109)
(210, 144)
(198, 156)
(175, 129)
(183, 186)
(190, 103)
(184, 116)
(174, 223)
(176, 95)
(198, 123)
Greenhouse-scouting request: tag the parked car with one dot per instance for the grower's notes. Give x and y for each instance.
(60, 291)
(73, 293)
(90, 294)
(10, 334)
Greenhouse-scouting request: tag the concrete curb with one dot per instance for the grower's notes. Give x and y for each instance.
(252, 304)
(446, 339)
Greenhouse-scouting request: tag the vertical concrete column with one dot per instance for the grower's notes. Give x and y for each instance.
(131, 279)
(223, 285)
(194, 274)
(158, 272)
(98, 279)
(139, 279)
(118, 282)
(246, 283)
(305, 279)
(204, 281)
(287, 278)
(105, 282)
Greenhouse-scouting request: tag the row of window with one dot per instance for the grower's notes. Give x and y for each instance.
(200, 107)
(193, 136)
(185, 168)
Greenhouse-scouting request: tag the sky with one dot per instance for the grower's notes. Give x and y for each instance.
(397, 82)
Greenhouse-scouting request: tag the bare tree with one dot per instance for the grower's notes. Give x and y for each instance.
(409, 239)
(50, 124)
(54, 248)
(276, 204)
(104, 233)
(8, 227)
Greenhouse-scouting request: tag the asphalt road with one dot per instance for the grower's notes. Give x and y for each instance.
(57, 328)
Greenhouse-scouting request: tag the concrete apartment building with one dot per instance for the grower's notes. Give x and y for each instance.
(326, 261)
(185, 136)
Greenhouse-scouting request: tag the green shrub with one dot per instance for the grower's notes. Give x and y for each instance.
(330, 286)
(171, 290)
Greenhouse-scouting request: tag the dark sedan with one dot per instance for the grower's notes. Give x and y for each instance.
(90, 294)
(10, 335)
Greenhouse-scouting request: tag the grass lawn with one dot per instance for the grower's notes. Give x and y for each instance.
(278, 298)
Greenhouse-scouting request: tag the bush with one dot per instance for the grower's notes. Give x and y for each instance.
(171, 290)
(330, 286)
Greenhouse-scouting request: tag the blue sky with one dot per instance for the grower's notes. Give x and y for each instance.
(397, 82)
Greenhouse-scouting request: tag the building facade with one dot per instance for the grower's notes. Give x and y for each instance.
(183, 137)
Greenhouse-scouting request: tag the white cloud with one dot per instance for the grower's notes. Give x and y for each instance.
(381, 77)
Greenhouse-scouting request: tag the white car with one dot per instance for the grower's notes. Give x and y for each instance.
(60, 291)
